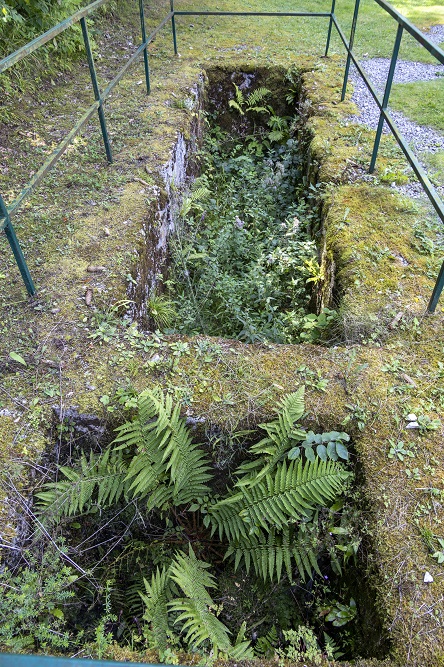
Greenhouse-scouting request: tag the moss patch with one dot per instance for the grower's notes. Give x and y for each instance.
(380, 248)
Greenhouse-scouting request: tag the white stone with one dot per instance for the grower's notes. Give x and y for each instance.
(428, 578)
(413, 425)
(411, 417)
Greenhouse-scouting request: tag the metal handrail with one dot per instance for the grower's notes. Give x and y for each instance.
(80, 16)
(436, 52)
(100, 96)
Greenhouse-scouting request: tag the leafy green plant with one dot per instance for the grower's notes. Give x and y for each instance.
(161, 310)
(23, 20)
(439, 554)
(270, 520)
(103, 637)
(252, 103)
(357, 413)
(301, 645)
(315, 327)
(242, 262)
(266, 645)
(313, 379)
(196, 609)
(328, 446)
(399, 451)
(32, 604)
(427, 424)
(340, 614)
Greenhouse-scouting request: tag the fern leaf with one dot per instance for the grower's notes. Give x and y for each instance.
(287, 496)
(158, 595)
(269, 551)
(257, 96)
(167, 463)
(103, 474)
(199, 623)
(275, 135)
(281, 434)
(235, 105)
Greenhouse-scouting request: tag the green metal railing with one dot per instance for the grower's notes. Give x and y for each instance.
(100, 96)
(403, 25)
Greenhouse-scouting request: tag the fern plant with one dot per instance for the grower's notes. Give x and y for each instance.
(252, 103)
(281, 435)
(196, 608)
(268, 521)
(155, 459)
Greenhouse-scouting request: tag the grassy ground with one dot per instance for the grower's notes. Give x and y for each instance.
(422, 101)
(435, 164)
(386, 251)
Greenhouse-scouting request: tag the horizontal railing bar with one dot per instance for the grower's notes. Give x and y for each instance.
(55, 155)
(136, 54)
(432, 194)
(32, 46)
(211, 13)
(413, 30)
(61, 148)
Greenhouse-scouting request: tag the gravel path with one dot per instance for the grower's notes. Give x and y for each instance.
(420, 138)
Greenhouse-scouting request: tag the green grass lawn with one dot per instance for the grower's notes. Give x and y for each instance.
(423, 14)
(375, 33)
(435, 164)
(421, 101)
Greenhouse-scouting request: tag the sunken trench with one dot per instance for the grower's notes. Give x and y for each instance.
(211, 546)
(234, 246)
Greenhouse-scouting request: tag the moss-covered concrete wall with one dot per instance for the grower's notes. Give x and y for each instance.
(385, 363)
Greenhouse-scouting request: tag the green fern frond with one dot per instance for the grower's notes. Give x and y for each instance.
(288, 495)
(276, 135)
(158, 595)
(75, 494)
(191, 575)
(269, 552)
(242, 649)
(167, 463)
(199, 622)
(200, 194)
(281, 435)
(257, 96)
(266, 645)
(240, 99)
(234, 105)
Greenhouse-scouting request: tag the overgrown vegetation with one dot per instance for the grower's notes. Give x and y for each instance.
(23, 20)
(185, 539)
(243, 260)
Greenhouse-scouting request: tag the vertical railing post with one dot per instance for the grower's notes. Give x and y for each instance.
(439, 286)
(388, 87)
(330, 26)
(173, 27)
(145, 50)
(350, 47)
(97, 95)
(15, 247)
